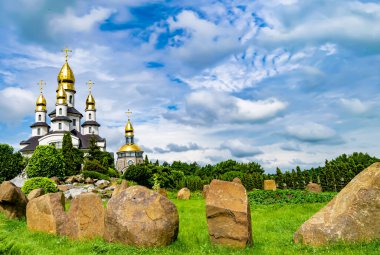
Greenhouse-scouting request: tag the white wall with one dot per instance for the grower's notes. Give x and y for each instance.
(53, 138)
(43, 117)
(70, 93)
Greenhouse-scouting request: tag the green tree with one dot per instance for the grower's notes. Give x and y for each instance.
(11, 164)
(279, 178)
(46, 161)
(94, 151)
(72, 156)
(146, 160)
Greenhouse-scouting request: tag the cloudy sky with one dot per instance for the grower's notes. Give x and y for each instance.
(279, 82)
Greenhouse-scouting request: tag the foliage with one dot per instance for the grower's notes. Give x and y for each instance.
(98, 160)
(46, 161)
(48, 185)
(112, 173)
(95, 175)
(11, 164)
(73, 157)
(94, 165)
(193, 182)
(139, 174)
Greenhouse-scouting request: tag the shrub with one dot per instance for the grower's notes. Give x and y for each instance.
(266, 197)
(95, 175)
(138, 173)
(229, 176)
(39, 182)
(46, 161)
(11, 164)
(193, 183)
(112, 173)
(94, 165)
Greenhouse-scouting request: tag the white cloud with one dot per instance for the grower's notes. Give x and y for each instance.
(355, 105)
(239, 149)
(15, 104)
(310, 132)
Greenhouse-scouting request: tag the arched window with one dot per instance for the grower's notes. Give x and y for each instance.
(89, 116)
(71, 99)
(59, 126)
(60, 111)
(90, 130)
(38, 131)
(39, 117)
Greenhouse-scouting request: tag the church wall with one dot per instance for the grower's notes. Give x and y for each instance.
(64, 110)
(70, 93)
(57, 138)
(92, 113)
(77, 126)
(43, 117)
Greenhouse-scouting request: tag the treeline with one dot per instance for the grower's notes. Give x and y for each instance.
(333, 176)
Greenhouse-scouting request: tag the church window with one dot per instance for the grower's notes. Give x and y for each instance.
(74, 122)
(71, 99)
(39, 117)
(89, 116)
(38, 131)
(90, 130)
(60, 111)
(59, 126)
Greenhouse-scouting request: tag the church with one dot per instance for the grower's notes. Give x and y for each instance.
(64, 118)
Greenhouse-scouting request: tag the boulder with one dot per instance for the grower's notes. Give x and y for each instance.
(270, 185)
(101, 184)
(237, 180)
(85, 217)
(163, 192)
(184, 193)
(119, 188)
(228, 214)
(36, 193)
(74, 192)
(205, 190)
(314, 187)
(88, 180)
(63, 187)
(46, 213)
(352, 216)
(12, 200)
(55, 179)
(141, 217)
(70, 179)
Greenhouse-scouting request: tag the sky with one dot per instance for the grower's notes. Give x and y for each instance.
(279, 82)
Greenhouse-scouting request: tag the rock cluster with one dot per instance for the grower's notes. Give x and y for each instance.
(353, 215)
(12, 200)
(228, 214)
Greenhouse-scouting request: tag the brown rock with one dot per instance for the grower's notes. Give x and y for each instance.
(36, 193)
(71, 179)
(46, 213)
(237, 180)
(141, 217)
(119, 188)
(352, 216)
(314, 188)
(55, 179)
(184, 193)
(270, 185)
(205, 190)
(228, 214)
(163, 192)
(12, 200)
(85, 217)
(89, 180)
(63, 188)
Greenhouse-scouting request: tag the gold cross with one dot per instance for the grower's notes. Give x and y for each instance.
(128, 113)
(41, 83)
(66, 51)
(90, 84)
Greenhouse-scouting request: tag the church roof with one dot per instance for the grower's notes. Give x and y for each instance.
(71, 110)
(32, 143)
(58, 118)
(90, 123)
(39, 124)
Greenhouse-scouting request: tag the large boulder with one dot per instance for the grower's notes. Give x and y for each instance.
(313, 187)
(119, 188)
(184, 193)
(86, 217)
(228, 214)
(101, 184)
(353, 215)
(270, 185)
(46, 213)
(36, 193)
(141, 217)
(12, 200)
(205, 190)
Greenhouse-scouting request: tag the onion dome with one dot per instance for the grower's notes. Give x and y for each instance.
(90, 103)
(129, 128)
(41, 103)
(129, 148)
(66, 77)
(61, 95)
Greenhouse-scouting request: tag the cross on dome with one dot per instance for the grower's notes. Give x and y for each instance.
(90, 84)
(129, 113)
(66, 51)
(41, 83)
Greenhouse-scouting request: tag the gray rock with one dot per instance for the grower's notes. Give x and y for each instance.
(102, 184)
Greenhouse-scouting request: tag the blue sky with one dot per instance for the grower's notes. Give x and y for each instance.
(283, 83)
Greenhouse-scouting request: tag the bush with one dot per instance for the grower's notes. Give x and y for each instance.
(39, 182)
(95, 175)
(229, 176)
(94, 165)
(138, 173)
(46, 161)
(112, 173)
(193, 183)
(11, 164)
(266, 197)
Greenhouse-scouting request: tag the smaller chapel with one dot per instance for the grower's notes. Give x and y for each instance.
(64, 118)
(130, 153)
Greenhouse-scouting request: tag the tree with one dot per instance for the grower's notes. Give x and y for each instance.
(72, 158)
(146, 160)
(11, 164)
(279, 178)
(94, 151)
(46, 161)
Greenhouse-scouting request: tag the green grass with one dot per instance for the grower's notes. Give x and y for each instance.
(273, 227)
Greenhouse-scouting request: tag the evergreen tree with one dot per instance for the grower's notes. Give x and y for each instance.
(71, 167)
(146, 160)
(300, 178)
(279, 178)
(94, 151)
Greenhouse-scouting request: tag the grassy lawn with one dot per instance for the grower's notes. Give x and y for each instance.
(273, 228)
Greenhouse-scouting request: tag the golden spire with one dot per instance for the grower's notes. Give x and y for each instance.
(129, 127)
(66, 75)
(90, 101)
(61, 95)
(41, 101)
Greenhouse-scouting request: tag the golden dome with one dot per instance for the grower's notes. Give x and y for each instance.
(129, 148)
(129, 128)
(61, 95)
(90, 102)
(66, 77)
(41, 103)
